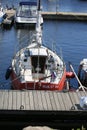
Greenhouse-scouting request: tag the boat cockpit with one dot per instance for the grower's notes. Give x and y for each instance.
(38, 64)
(27, 9)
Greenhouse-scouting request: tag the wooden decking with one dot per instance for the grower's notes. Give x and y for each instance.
(40, 100)
(19, 109)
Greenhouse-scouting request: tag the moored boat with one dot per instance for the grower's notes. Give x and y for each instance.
(82, 72)
(2, 14)
(26, 13)
(37, 67)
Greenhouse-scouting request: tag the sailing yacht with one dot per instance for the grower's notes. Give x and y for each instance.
(37, 67)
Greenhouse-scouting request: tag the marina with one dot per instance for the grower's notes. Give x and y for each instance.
(48, 16)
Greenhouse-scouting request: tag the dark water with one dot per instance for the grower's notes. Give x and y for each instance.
(69, 37)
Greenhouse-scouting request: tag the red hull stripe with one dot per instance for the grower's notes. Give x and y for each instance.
(38, 85)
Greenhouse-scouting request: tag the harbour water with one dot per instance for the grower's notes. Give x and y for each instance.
(69, 37)
(55, 5)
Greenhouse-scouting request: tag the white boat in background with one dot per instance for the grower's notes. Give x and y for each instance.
(2, 14)
(26, 13)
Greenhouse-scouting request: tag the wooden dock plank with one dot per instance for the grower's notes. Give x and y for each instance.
(76, 97)
(10, 100)
(14, 101)
(1, 99)
(44, 101)
(31, 100)
(5, 105)
(36, 106)
(52, 101)
(56, 101)
(19, 102)
(27, 101)
(62, 107)
(49, 104)
(39, 98)
(67, 101)
(23, 100)
(72, 98)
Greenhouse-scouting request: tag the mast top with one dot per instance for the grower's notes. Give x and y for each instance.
(38, 5)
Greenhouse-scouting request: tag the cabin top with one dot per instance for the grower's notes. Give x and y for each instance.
(36, 51)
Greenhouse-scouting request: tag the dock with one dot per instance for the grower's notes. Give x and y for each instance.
(20, 108)
(65, 16)
(9, 20)
(39, 100)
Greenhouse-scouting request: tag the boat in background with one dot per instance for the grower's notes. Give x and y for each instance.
(2, 14)
(82, 72)
(26, 13)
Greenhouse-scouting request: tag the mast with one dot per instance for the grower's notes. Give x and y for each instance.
(38, 34)
(38, 25)
(38, 5)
